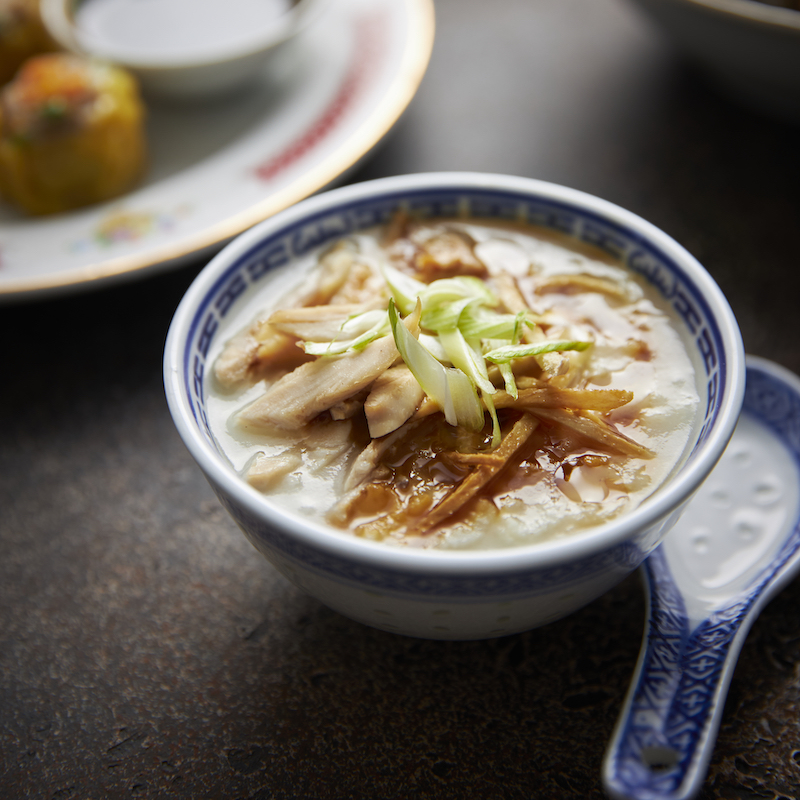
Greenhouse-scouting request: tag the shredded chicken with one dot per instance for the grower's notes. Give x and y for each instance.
(314, 387)
(248, 353)
(335, 267)
(368, 459)
(572, 284)
(264, 345)
(363, 285)
(394, 398)
(233, 365)
(551, 364)
(317, 323)
(265, 472)
(445, 254)
(348, 408)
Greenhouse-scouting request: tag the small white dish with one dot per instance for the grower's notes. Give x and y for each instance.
(179, 71)
(750, 49)
(219, 168)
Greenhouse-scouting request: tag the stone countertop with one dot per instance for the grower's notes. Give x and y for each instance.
(147, 651)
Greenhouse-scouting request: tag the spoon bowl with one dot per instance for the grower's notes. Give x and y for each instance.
(735, 547)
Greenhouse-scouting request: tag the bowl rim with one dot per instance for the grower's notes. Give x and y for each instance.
(58, 17)
(431, 561)
(750, 11)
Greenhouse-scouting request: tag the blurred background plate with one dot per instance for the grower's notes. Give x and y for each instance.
(218, 168)
(748, 48)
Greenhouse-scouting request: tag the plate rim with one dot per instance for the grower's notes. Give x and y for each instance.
(751, 11)
(412, 67)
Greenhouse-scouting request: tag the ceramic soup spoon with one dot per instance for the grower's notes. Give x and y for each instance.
(735, 547)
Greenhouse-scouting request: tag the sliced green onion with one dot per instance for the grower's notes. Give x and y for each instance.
(479, 322)
(463, 357)
(405, 289)
(458, 318)
(446, 290)
(505, 354)
(356, 324)
(468, 359)
(521, 319)
(468, 409)
(444, 315)
(508, 378)
(506, 372)
(449, 388)
(433, 345)
(379, 322)
(487, 399)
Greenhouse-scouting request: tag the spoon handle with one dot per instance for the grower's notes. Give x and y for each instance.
(666, 731)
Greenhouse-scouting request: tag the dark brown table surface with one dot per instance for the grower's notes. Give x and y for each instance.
(147, 651)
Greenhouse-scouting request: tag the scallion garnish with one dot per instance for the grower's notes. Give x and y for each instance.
(503, 355)
(449, 387)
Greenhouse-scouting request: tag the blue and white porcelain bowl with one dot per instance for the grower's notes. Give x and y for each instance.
(447, 594)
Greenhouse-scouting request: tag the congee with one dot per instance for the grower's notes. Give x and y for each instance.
(455, 384)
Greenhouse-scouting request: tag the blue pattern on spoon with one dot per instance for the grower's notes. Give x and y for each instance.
(735, 547)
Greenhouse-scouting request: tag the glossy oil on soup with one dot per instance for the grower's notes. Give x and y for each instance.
(454, 384)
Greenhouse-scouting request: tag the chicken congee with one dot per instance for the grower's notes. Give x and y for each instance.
(456, 384)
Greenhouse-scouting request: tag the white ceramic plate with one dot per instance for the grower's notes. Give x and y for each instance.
(218, 168)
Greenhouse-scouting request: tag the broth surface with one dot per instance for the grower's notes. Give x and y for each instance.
(591, 433)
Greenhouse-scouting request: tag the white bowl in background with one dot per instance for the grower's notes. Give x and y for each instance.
(446, 594)
(750, 49)
(214, 71)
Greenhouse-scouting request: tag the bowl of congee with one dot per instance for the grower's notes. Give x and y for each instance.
(454, 405)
